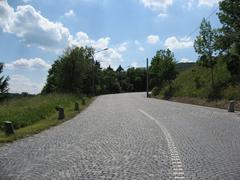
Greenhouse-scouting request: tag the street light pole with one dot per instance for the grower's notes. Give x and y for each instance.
(93, 71)
(147, 84)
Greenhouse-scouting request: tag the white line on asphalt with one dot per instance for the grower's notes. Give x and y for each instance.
(178, 172)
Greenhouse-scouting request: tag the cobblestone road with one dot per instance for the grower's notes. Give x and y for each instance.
(127, 136)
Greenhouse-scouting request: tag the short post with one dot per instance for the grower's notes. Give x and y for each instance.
(83, 101)
(231, 106)
(61, 114)
(8, 127)
(76, 108)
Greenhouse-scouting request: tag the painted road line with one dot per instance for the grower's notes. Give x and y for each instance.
(178, 172)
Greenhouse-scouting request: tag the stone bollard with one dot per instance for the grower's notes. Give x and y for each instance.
(8, 127)
(231, 106)
(83, 101)
(61, 114)
(76, 108)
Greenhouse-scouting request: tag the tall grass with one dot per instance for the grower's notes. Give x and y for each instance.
(28, 110)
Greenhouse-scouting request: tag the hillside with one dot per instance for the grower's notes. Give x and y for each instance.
(184, 66)
(195, 82)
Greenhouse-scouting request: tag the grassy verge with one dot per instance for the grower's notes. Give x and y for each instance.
(222, 104)
(34, 114)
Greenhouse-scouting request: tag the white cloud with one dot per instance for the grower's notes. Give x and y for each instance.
(139, 44)
(162, 15)
(32, 28)
(122, 47)
(70, 13)
(135, 64)
(81, 39)
(36, 63)
(152, 39)
(174, 43)
(141, 49)
(209, 3)
(157, 5)
(110, 57)
(185, 60)
(19, 83)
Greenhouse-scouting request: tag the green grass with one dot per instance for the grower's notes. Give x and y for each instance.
(194, 86)
(30, 115)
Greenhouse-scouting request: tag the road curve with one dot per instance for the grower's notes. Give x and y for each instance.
(127, 136)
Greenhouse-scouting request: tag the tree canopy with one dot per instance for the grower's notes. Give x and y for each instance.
(3, 83)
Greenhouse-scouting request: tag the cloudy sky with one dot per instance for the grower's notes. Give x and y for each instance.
(33, 33)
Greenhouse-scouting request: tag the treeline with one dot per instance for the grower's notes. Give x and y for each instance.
(76, 71)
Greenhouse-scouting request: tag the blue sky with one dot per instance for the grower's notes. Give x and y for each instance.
(33, 33)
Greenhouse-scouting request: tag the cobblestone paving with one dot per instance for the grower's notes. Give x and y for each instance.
(109, 140)
(113, 140)
(208, 139)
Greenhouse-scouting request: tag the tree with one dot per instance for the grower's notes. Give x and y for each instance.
(3, 83)
(163, 67)
(229, 16)
(204, 45)
(233, 62)
(228, 39)
(71, 72)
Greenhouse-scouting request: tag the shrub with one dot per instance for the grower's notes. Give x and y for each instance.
(155, 91)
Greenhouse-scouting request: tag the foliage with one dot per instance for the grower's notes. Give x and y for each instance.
(204, 45)
(77, 72)
(155, 91)
(233, 63)
(229, 16)
(180, 67)
(3, 83)
(71, 72)
(196, 82)
(163, 68)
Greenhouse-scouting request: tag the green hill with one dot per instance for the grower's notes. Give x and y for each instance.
(195, 81)
(184, 66)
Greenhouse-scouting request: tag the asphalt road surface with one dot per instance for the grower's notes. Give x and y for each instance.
(127, 136)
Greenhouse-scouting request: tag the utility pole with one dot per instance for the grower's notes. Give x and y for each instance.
(147, 88)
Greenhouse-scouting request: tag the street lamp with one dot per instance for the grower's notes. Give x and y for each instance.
(93, 72)
(147, 84)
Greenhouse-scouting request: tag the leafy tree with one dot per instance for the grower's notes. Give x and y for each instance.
(163, 68)
(111, 84)
(233, 63)
(204, 45)
(3, 83)
(229, 16)
(71, 72)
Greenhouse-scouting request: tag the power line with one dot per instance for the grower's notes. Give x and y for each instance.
(208, 17)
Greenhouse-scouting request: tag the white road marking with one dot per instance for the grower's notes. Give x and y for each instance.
(178, 172)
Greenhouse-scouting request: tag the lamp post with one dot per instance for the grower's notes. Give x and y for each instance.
(93, 71)
(147, 84)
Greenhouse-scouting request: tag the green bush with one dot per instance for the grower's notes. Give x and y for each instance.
(232, 92)
(155, 91)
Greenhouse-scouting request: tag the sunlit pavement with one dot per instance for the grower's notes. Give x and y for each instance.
(127, 136)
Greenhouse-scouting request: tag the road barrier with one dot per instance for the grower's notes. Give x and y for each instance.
(8, 128)
(231, 106)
